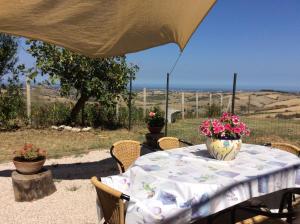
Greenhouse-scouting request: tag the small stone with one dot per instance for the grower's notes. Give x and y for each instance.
(54, 127)
(69, 128)
(75, 129)
(86, 129)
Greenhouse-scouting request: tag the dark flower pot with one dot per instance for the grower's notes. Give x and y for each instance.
(29, 167)
(155, 130)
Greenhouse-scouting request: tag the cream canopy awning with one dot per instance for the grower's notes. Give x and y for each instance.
(99, 28)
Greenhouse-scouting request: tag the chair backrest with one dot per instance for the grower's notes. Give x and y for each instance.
(125, 153)
(166, 143)
(111, 202)
(286, 147)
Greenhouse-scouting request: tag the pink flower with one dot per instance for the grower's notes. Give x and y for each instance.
(243, 126)
(237, 130)
(151, 114)
(225, 117)
(228, 127)
(205, 131)
(235, 119)
(247, 132)
(205, 123)
(218, 127)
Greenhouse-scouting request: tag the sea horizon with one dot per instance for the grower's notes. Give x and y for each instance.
(187, 88)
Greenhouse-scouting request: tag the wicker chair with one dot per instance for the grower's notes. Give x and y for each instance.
(286, 147)
(167, 143)
(125, 153)
(287, 198)
(111, 202)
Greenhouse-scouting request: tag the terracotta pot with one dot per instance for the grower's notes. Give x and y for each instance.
(223, 149)
(28, 167)
(155, 130)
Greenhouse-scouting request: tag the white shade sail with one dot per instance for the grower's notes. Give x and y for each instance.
(100, 28)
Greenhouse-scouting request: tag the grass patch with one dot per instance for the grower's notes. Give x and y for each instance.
(67, 143)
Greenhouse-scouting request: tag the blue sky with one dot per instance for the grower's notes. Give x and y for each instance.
(258, 39)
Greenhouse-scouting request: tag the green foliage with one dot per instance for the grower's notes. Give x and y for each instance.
(12, 106)
(8, 55)
(137, 116)
(95, 115)
(104, 79)
(45, 115)
(99, 115)
(11, 98)
(212, 110)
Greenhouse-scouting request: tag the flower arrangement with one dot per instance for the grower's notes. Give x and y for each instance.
(29, 152)
(228, 126)
(155, 118)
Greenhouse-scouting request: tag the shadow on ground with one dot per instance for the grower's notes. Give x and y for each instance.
(85, 170)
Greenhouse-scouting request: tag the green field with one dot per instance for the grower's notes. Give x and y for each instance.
(67, 143)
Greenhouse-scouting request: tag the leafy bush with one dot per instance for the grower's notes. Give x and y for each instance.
(212, 110)
(99, 115)
(12, 106)
(47, 114)
(137, 116)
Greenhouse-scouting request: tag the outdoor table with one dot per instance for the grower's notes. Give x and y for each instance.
(185, 184)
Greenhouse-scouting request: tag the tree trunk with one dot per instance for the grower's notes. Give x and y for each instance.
(76, 109)
(32, 187)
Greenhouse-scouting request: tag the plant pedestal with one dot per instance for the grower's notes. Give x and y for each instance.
(151, 139)
(34, 186)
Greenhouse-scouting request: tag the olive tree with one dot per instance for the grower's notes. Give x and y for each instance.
(103, 79)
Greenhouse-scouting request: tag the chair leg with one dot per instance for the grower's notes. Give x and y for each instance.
(283, 201)
(232, 216)
(210, 220)
(290, 208)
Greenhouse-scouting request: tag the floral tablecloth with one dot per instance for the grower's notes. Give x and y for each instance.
(180, 185)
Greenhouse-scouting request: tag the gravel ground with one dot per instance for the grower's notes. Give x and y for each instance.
(75, 198)
(73, 202)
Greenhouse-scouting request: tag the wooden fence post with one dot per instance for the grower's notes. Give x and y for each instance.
(210, 100)
(28, 99)
(229, 104)
(182, 105)
(117, 109)
(197, 105)
(221, 102)
(145, 102)
(249, 100)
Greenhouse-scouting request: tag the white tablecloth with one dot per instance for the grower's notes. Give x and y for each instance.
(180, 185)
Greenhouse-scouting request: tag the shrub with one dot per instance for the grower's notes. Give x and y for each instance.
(46, 114)
(98, 115)
(137, 116)
(212, 110)
(12, 106)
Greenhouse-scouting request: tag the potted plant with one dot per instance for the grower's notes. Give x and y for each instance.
(155, 121)
(224, 136)
(29, 159)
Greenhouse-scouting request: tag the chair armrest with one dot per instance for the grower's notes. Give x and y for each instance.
(185, 142)
(125, 197)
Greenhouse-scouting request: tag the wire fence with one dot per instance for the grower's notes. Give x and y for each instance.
(272, 116)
